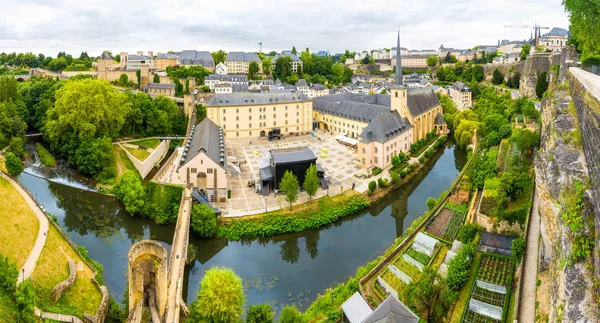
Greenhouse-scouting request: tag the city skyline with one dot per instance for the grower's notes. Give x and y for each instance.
(45, 27)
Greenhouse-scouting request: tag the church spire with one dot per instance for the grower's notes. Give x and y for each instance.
(399, 77)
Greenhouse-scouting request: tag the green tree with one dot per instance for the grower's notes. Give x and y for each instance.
(289, 186)
(429, 295)
(219, 56)
(17, 147)
(204, 221)
(402, 156)
(493, 122)
(497, 77)
(525, 139)
(395, 161)
(14, 166)
(156, 79)
(541, 84)
(366, 60)
(459, 267)
(58, 64)
(372, 186)
(131, 192)
(432, 61)
(259, 314)
(431, 203)
(8, 274)
(478, 73)
(252, 70)
(290, 314)
(584, 17)
(138, 74)
(518, 248)
(449, 109)
(267, 66)
(311, 181)
(294, 51)
(483, 167)
(123, 80)
(25, 301)
(464, 132)
(283, 68)
(530, 112)
(525, 49)
(220, 298)
(512, 183)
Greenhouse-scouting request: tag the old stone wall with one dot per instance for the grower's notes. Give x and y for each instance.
(568, 59)
(145, 167)
(63, 285)
(148, 262)
(505, 68)
(559, 163)
(534, 65)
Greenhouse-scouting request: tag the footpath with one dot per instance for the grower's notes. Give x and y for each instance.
(530, 266)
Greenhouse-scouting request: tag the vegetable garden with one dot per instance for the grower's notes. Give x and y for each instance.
(448, 222)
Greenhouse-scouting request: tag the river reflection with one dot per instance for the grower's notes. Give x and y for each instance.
(279, 270)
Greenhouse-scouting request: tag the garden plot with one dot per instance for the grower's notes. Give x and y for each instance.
(447, 223)
(439, 223)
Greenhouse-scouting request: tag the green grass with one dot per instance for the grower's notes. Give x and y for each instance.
(139, 154)
(150, 143)
(45, 156)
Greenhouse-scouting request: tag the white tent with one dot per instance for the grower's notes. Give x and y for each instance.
(346, 141)
(491, 287)
(424, 244)
(488, 310)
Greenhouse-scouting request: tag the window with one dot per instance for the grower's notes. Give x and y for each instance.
(273, 108)
(250, 133)
(237, 134)
(297, 113)
(274, 116)
(237, 110)
(396, 93)
(286, 107)
(297, 128)
(237, 118)
(297, 120)
(224, 126)
(250, 126)
(387, 158)
(274, 123)
(286, 121)
(224, 119)
(376, 150)
(363, 161)
(237, 126)
(286, 114)
(249, 117)
(376, 160)
(193, 170)
(250, 110)
(224, 110)
(286, 129)
(209, 170)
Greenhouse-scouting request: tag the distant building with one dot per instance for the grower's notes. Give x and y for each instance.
(203, 162)
(412, 61)
(223, 88)
(162, 89)
(317, 90)
(302, 86)
(214, 79)
(221, 69)
(239, 62)
(246, 115)
(461, 94)
(296, 62)
(163, 61)
(135, 62)
(424, 52)
(193, 57)
(555, 40)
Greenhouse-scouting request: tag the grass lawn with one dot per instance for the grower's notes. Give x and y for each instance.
(465, 292)
(140, 154)
(148, 143)
(20, 225)
(52, 268)
(122, 162)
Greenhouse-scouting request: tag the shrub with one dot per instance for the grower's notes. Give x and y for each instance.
(259, 314)
(14, 166)
(518, 248)
(422, 159)
(372, 186)
(25, 301)
(45, 157)
(468, 232)
(395, 177)
(458, 269)
(431, 202)
(382, 183)
(203, 221)
(402, 173)
(376, 171)
(8, 274)
(395, 161)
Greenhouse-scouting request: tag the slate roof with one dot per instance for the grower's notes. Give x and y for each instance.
(293, 155)
(292, 56)
(557, 32)
(229, 78)
(363, 108)
(392, 310)
(105, 55)
(498, 241)
(241, 56)
(356, 308)
(138, 58)
(301, 82)
(421, 101)
(385, 127)
(166, 56)
(439, 119)
(239, 99)
(318, 87)
(161, 86)
(193, 57)
(462, 87)
(206, 138)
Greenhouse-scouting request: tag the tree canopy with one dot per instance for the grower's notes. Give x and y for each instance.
(311, 181)
(585, 24)
(289, 186)
(220, 298)
(204, 221)
(219, 56)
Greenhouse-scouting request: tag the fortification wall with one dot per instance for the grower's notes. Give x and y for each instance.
(65, 284)
(534, 65)
(145, 167)
(146, 259)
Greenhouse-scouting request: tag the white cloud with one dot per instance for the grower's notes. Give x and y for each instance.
(94, 25)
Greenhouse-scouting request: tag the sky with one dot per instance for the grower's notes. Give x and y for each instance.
(49, 26)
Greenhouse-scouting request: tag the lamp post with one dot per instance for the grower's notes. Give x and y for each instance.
(23, 270)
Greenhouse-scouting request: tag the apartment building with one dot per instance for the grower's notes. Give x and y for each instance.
(239, 62)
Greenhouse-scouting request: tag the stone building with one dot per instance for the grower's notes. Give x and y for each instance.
(161, 89)
(239, 62)
(461, 94)
(302, 86)
(296, 62)
(163, 61)
(135, 62)
(109, 70)
(213, 79)
(243, 115)
(412, 61)
(555, 40)
(193, 57)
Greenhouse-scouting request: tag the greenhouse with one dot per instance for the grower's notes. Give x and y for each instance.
(425, 244)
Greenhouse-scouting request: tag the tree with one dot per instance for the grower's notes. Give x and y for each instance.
(294, 51)
(514, 81)
(252, 69)
(311, 181)
(431, 202)
(525, 139)
(267, 65)
(156, 79)
(8, 274)
(138, 74)
(518, 248)
(25, 301)
(131, 192)
(512, 183)
(402, 156)
(259, 314)
(289, 186)
(453, 59)
(366, 59)
(541, 84)
(58, 64)
(584, 17)
(17, 147)
(497, 77)
(290, 314)
(395, 161)
(477, 72)
(530, 112)
(372, 186)
(459, 267)
(432, 61)
(204, 221)
(14, 166)
(283, 68)
(220, 298)
(464, 132)
(429, 295)
(219, 56)
(483, 167)
(493, 122)
(468, 232)
(525, 49)
(123, 80)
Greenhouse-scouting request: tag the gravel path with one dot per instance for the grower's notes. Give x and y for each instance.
(529, 275)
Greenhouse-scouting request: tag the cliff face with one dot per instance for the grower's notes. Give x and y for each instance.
(534, 64)
(560, 162)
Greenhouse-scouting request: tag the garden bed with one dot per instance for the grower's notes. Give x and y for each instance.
(439, 223)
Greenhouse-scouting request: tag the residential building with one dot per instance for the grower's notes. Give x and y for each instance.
(555, 40)
(507, 46)
(221, 69)
(361, 55)
(193, 57)
(163, 61)
(246, 115)
(317, 90)
(412, 61)
(296, 62)
(302, 86)
(423, 52)
(223, 88)
(239, 62)
(403, 51)
(134, 62)
(213, 79)
(461, 94)
(203, 162)
(381, 54)
(350, 61)
(160, 89)
(439, 90)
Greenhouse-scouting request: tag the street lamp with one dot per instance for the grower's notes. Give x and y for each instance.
(23, 270)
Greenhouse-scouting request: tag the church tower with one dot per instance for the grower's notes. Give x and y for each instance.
(398, 91)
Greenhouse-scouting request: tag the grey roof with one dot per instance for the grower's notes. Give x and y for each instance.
(239, 88)
(241, 56)
(363, 108)
(498, 241)
(229, 78)
(557, 32)
(393, 311)
(166, 56)
(318, 87)
(421, 100)
(301, 82)
(193, 57)
(206, 139)
(292, 56)
(233, 99)
(161, 86)
(385, 127)
(356, 308)
(439, 119)
(105, 55)
(293, 155)
(138, 58)
(462, 87)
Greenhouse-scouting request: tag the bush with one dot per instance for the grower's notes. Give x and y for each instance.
(8, 274)
(468, 232)
(203, 221)
(422, 159)
(458, 269)
(396, 161)
(402, 173)
(431, 202)
(259, 314)
(131, 192)
(395, 177)
(115, 313)
(46, 157)
(162, 202)
(376, 171)
(17, 147)
(518, 248)
(589, 60)
(25, 301)
(372, 186)
(382, 183)
(14, 166)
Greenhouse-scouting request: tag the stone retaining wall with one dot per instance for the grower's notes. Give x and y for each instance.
(63, 285)
(144, 167)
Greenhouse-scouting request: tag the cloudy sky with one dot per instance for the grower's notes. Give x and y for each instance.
(48, 26)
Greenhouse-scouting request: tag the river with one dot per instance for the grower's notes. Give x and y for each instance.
(286, 269)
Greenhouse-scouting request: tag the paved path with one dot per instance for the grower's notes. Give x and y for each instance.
(58, 317)
(530, 264)
(40, 241)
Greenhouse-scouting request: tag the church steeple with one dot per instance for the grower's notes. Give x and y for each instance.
(399, 76)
